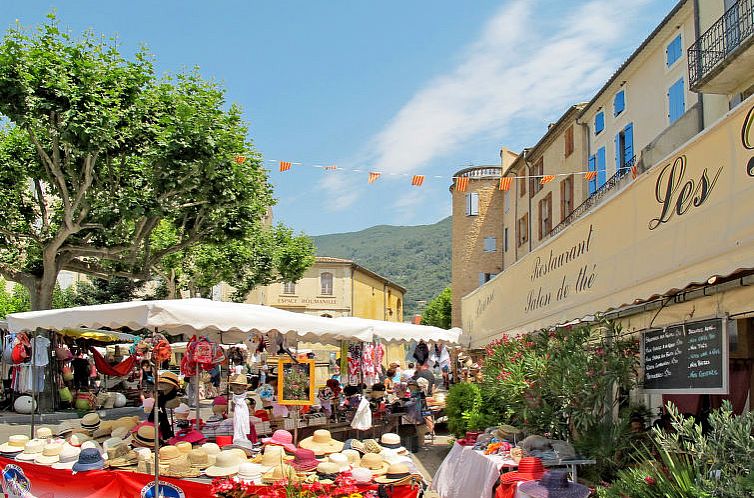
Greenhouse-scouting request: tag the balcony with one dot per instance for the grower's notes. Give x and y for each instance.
(722, 58)
(594, 199)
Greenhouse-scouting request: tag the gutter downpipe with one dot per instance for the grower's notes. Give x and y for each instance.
(697, 34)
(529, 194)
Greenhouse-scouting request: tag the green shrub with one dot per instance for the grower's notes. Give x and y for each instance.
(461, 401)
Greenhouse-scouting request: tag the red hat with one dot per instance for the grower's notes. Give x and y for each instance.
(529, 469)
(305, 460)
(220, 400)
(263, 415)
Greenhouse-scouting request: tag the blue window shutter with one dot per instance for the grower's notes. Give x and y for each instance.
(482, 279)
(673, 52)
(592, 167)
(628, 151)
(619, 103)
(601, 171)
(599, 122)
(618, 153)
(676, 101)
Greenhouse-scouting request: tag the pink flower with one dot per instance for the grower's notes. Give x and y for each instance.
(650, 480)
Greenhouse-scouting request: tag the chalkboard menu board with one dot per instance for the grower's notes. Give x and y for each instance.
(689, 358)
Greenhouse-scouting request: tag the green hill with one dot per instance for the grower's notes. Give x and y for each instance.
(416, 257)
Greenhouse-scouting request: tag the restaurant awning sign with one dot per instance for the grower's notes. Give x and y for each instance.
(686, 219)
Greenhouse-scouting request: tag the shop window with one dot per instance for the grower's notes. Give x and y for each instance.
(289, 288)
(674, 51)
(566, 197)
(619, 103)
(535, 175)
(472, 204)
(490, 244)
(568, 139)
(599, 123)
(326, 283)
(545, 216)
(523, 230)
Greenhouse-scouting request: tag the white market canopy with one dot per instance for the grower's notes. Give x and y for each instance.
(404, 332)
(221, 321)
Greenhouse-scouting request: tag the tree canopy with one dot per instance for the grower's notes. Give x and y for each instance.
(108, 170)
(438, 310)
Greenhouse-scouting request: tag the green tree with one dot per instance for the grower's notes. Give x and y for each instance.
(438, 310)
(97, 153)
(103, 291)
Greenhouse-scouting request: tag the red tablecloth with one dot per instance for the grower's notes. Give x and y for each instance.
(38, 481)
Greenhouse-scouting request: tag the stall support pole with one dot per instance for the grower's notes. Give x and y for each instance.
(196, 397)
(156, 420)
(295, 424)
(33, 386)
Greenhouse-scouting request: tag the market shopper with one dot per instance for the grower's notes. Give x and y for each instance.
(423, 372)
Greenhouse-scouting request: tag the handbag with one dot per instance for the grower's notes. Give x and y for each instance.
(65, 394)
(67, 373)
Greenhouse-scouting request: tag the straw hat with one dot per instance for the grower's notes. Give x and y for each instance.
(32, 449)
(282, 438)
(198, 458)
(279, 473)
(180, 467)
(169, 378)
(321, 443)
(50, 454)
(340, 460)
(90, 421)
(392, 456)
(250, 473)
(115, 448)
(392, 441)
(120, 432)
(272, 456)
(15, 444)
(126, 460)
(181, 412)
(144, 437)
(78, 438)
(327, 472)
(226, 464)
(243, 453)
(102, 433)
(168, 453)
(304, 460)
(370, 446)
(362, 475)
(69, 455)
(212, 450)
(127, 422)
(397, 474)
(238, 380)
(554, 484)
(375, 463)
(184, 446)
(43, 433)
(354, 457)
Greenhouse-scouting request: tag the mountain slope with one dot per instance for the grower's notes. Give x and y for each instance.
(416, 257)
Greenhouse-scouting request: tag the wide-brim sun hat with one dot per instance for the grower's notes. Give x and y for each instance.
(362, 475)
(272, 456)
(279, 473)
(50, 454)
(282, 438)
(374, 463)
(32, 449)
(15, 444)
(392, 456)
(354, 457)
(226, 464)
(340, 460)
(529, 469)
(170, 378)
(321, 443)
(144, 437)
(304, 460)
(397, 474)
(67, 458)
(554, 484)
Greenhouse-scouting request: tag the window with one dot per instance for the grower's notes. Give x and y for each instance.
(676, 101)
(592, 167)
(535, 175)
(523, 230)
(506, 201)
(289, 288)
(522, 187)
(673, 52)
(485, 277)
(569, 141)
(472, 204)
(545, 216)
(505, 239)
(566, 197)
(601, 167)
(325, 281)
(599, 122)
(490, 244)
(624, 148)
(619, 103)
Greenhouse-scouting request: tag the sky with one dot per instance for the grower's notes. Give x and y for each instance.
(399, 87)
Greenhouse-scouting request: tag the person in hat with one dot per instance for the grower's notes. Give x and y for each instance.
(168, 385)
(241, 416)
(554, 484)
(529, 469)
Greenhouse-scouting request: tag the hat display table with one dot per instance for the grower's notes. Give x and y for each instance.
(464, 464)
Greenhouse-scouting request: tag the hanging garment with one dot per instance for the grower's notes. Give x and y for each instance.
(120, 370)
(41, 351)
(166, 429)
(368, 365)
(8, 341)
(354, 364)
(362, 419)
(241, 423)
(421, 353)
(444, 359)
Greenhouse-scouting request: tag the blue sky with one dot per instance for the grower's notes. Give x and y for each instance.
(402, 87)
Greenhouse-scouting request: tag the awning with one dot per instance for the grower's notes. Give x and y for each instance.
(220, 321)
(405, 332)
(98, 335)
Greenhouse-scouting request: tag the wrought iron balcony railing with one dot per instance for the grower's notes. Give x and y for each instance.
(595, 198)
(720, 40)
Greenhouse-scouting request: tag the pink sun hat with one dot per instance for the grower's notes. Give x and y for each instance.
(281, 438)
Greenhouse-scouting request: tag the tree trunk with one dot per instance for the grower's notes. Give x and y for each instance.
(41, 293)
(171, 285)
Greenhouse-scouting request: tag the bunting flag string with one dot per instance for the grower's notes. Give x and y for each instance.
(461, 183)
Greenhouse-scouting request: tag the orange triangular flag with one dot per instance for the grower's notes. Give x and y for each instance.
(634, 172)
(285, 166)
(462, 182)
(590, 175)
(240, 159)
(546, 179)
(331, 168)
(373, 176)
(505, 183)
(417, 180)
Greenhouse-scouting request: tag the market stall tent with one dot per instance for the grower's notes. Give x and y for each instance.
(404, 332)
(220, 321)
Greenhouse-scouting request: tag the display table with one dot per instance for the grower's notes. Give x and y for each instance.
(38, 480)
(468, 473)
